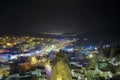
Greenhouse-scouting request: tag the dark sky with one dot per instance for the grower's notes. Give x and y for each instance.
(79, 16)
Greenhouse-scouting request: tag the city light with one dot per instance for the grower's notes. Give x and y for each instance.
(41, 54)
(90, 55)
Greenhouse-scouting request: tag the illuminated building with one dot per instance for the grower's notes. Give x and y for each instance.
(33, 60)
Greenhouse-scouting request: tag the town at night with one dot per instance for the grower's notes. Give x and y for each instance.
(57, 56)
(59, 40)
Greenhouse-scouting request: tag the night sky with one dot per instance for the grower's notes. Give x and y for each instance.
(78, 16)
